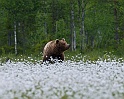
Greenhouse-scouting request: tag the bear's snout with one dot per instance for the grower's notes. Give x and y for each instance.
(68, 46)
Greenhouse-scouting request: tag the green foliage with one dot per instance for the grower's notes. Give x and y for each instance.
(120, 49)
(5, 49)
(39, 21)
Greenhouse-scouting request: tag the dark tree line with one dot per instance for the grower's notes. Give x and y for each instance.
(26, 25)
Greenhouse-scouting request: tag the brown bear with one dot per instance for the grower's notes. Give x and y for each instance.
(55, 50)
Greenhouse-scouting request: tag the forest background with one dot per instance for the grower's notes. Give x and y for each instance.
(88, 25)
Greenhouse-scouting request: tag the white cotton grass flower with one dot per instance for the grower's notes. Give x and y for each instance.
(82, 79)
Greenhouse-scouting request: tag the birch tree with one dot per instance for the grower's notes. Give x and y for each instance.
(15, 38)
(73, 31)
(82, 27)
(28, 25)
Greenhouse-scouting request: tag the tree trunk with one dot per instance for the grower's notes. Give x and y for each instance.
(45, 13)
(73, 32)
(54, 16)
(82, 28)
(23, 35)
(10, 32)
(116, 22)
(15, 38)
(9, 37)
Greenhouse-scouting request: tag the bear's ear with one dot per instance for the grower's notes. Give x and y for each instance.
(57, 41)
(63, 39)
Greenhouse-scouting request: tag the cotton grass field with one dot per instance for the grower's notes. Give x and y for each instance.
(72, 79)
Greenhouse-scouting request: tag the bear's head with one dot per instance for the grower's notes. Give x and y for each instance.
(62, 45)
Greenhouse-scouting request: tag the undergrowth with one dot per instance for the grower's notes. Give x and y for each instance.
(73, 56)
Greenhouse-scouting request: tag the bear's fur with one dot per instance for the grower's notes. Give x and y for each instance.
(55, 50)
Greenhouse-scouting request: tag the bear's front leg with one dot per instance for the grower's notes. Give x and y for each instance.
(46, 58)
(61, 57)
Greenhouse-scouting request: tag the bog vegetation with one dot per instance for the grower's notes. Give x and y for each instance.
(94, 28)
(27, 25)
(26, 78)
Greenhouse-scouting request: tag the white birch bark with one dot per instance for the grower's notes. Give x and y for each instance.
(15, 38)
(73, 29)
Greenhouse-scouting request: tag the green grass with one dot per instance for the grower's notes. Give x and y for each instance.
(92, 55)
(21, 58)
